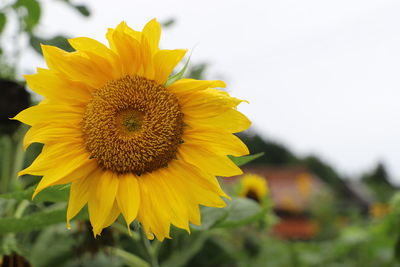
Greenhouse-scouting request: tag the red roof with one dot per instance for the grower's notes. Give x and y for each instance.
(291, 188)
(295, 228)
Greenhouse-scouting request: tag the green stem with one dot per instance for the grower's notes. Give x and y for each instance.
(21, 208)
(19, 158)
(7, 155)
(151, 252)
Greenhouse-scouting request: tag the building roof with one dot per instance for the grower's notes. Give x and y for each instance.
(291, 188)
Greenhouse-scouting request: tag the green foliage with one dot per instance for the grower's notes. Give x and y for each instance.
(83, 10)
(241, 211)
(168, 23)
(59, 41)
(238, 212)
(178, 75)
(240, 161)
(275, 154)
(30, 13)
(236, 235)
(57, 193)
(3, 20)
(26, 15)
(323, 170)
(129, 258)
(181, 258)
(197, 71)
(378, 181)
(34, 221)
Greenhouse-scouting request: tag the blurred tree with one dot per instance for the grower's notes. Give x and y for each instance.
(197, 71)
(14, 98)
(23, 17)
(324, 171)
(275, 153)
(378, 176)
(378, 181)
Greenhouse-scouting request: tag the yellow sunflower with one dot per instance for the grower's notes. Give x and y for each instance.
(127, 141)
(254, 187)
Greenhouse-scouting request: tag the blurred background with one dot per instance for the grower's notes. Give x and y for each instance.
(322, 81)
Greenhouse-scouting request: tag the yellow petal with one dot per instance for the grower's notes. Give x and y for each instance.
(190, 181)
(147, 57)
(123, 27)
(216, 141)
(203, 179)
(152, 215)
(152, 32)
(184, 86)
(72, 171)
(104, 186)
(184, 204)
(112, 216)
(203, 159)
(177, 205)
(50, 113)
(207, 103)
(104, 58)
(128, 197)
(53, 86)
(52, 133)
(54, 156)
(78, 197)
(86, 44)
(76, 66)
(231, 120)
(164, 63)
(128, 50)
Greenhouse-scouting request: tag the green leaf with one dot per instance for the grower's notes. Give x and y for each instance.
(182, 257)
(19, 195)
(3, 20)
(241, 211)
(6, 154)
(58, 41)
(130, 259)
(240, 161)
(36, 221)
(33, 11)
(82, 9)
(178, 75)
(210, 217)
(59, 252)
(238, 212)
(168, 23)
(57, 193)
(397, 250)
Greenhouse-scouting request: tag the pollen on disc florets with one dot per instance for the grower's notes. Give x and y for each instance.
(133, 125)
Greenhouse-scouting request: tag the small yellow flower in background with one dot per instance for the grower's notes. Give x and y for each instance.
(289, 204)
(379, 210)
(254, 187)
(127, 142)
(304, 183)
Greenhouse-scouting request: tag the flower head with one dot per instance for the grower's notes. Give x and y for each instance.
(126, 141)
(254, 187)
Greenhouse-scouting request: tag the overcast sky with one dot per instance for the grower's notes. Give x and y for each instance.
(321, 76)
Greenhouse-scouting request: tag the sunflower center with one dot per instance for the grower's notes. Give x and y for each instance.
(253, 195)
(130, 120)
(133, 125)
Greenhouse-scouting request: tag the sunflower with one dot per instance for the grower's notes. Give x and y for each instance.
(253, 187)
(127, 140)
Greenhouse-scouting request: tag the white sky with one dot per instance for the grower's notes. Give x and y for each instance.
(321, 76)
